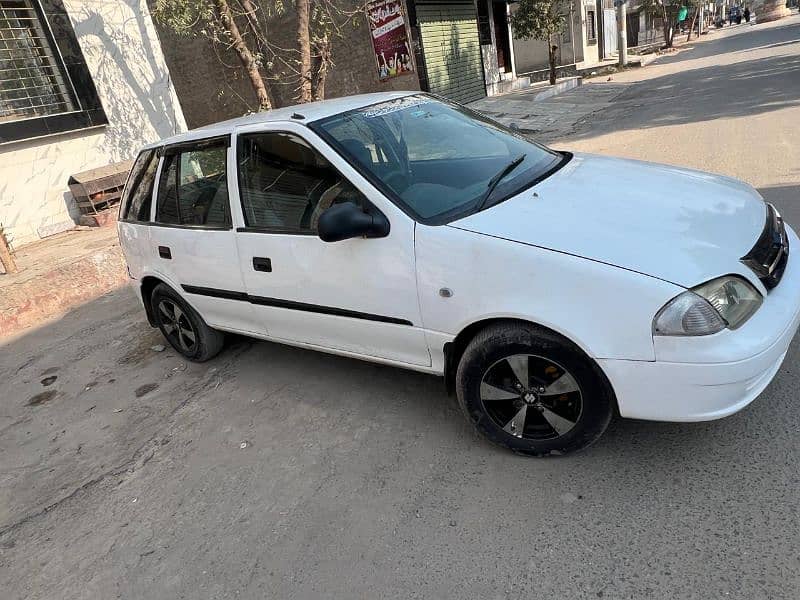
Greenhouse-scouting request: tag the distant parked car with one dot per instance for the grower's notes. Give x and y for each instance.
(548, 288)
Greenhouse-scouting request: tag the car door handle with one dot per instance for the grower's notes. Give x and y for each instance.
(262, 264)
(164, 252)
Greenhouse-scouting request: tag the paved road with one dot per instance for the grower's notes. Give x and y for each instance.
(279, 473)
(729, 106)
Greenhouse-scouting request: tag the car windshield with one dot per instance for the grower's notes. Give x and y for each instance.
(439, 161)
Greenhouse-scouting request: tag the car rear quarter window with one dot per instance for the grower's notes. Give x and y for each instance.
(138, 194)
(194, 189)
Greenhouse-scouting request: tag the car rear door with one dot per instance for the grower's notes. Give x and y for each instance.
(356, 296)
(192, 242)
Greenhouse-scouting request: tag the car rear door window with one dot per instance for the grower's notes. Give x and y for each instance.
(285, 184)
(193, 189)
(138, 194)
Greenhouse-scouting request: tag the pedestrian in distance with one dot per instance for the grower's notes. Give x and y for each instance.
(747, 14)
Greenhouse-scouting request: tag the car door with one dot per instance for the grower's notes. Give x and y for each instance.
(192, 240)
(356, 296)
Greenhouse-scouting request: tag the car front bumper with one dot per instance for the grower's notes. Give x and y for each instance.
(706, 378)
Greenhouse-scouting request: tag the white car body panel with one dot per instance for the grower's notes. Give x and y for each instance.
(605, 310)
(710, 377)
(591, 252)
(134, 240)
(676, 224)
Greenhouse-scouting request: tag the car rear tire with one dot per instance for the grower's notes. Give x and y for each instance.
(183, 327)
(528, 389)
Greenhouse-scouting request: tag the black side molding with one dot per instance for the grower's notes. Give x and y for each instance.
(292, 305)
(325, 310)
(214, 293)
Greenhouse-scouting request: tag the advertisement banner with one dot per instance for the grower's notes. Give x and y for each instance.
(387, 27)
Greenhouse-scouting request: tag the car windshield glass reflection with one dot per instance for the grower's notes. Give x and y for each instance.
(436, 159)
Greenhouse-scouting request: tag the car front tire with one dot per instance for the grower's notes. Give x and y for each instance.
(183, 327)
(528, 389)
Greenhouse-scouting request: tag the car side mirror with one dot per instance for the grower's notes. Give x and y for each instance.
(347, 220)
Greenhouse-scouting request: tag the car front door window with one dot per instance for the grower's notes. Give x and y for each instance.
(286, 185)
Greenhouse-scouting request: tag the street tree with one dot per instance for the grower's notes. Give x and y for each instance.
(244, 27)
(667, 11)
(540, 20)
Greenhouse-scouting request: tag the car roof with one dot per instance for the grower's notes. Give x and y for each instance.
(311, 111)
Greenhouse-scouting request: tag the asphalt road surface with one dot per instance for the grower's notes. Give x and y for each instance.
(274, 472)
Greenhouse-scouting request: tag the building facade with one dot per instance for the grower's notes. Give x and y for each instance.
(462, 50)
(82, 84)
(212, 86)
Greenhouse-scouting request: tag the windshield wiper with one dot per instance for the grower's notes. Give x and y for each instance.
(498, 178)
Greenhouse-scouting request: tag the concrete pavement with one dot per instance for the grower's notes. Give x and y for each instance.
(273, 472)
(554, 118)
(59, 273)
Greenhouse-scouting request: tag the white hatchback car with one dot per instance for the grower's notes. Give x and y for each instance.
(549, 289)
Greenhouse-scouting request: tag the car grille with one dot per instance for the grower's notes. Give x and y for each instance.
(769, 256)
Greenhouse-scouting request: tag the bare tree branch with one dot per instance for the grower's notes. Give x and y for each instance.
(245, 55)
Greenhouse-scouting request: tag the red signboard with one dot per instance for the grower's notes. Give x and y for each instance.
(387, 27)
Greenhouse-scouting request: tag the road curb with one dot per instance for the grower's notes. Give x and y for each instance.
(560, 87)
(55, 292)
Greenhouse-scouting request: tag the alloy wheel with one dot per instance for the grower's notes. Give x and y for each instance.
(531, 397)
(177, 326)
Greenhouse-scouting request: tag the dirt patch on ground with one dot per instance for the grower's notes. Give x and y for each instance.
(145, 389)
(42, 397)
(141, 347)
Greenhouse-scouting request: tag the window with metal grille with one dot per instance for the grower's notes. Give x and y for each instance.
(32, 83)
(591, 31)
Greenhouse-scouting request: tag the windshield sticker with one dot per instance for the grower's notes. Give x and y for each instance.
(385, 108)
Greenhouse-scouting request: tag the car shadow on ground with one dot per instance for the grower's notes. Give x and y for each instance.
(271, 457)
(108, 388)
(786, 198)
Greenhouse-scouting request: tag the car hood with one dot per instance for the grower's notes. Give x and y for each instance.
(680, 225)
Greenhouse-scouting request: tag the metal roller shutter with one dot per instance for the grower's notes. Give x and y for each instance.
(449, 35)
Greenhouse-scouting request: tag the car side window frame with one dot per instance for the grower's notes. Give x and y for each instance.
(136, 179)
(244, 228)
(166, 154)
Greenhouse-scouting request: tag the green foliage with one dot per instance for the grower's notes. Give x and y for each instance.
(184, 17)
(669, 8)
(538, 19)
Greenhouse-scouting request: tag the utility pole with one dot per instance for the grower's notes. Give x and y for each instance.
(701, 19)
(622, 32)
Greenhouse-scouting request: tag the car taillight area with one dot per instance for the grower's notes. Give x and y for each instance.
(770, 254)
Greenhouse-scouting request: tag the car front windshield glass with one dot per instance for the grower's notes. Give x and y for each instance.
(437, 160)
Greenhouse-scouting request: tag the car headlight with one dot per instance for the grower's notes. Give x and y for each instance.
(708, 308)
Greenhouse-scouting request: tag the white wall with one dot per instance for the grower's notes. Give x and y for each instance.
(491, 70)
(590, 50)
(531, 55)
(122, 51)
